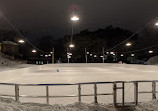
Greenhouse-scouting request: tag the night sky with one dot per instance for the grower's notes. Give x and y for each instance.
(52, 17)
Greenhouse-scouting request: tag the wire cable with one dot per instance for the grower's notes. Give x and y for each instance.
(130, 36)
(13, 26)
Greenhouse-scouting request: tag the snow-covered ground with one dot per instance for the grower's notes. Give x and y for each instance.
(9, 63)
(11, 105)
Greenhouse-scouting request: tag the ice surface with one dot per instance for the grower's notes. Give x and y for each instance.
(75, 73)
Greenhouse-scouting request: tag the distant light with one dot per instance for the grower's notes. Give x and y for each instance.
(156, 23)
(91, 54)
(74, 18)
(101, 56)
(68, 56)
(121, 55)
(107, 52)
(51, 52)
(46, 55)
(34, 51)
(132, 55)
(21, 41)
(111, 52)
(71, 45)
(41, 55)
(151, 51)
(95, 55)
(87, 52)
(128, 44)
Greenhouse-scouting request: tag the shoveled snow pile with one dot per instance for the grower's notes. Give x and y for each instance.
(148, 106)
(6, 60)
(11, 105)
(153, 60)
(9, 62)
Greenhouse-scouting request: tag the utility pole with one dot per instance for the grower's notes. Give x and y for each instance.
(103, 54)
(67, 55)
(52, 55)
(86, 54)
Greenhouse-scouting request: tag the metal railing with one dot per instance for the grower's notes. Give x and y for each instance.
(95, 95)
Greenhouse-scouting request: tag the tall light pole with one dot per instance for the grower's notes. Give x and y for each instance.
(74, 19)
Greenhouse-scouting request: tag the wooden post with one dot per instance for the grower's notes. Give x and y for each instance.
(136, 93)
(95, 93)
(47, 94)
(115, 94)
(16, 92)
(123, 93)
(79, 92)
(53, 56)
(153, 90)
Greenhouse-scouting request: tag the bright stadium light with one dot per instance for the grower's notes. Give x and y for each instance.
(156, 23)
(21, 41)
(128, 44)
(71, 45)
(34, 51)
(75, 18)
(151, 51)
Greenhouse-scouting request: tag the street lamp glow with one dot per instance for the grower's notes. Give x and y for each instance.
(151, 51)
(112, 53)
(95, 55)
(156, 23)
(21, 41)
(128, 44)
(74, 18)
(132, 55)
(121, 55)
(71, 45)
(34, 51)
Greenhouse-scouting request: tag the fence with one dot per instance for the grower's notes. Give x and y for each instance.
(95, 95)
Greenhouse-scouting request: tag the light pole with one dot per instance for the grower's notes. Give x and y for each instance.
(74, 19)
(156, 23)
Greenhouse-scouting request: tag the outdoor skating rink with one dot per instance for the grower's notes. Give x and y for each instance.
(77, 73)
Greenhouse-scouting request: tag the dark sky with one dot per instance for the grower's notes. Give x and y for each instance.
(43, 17)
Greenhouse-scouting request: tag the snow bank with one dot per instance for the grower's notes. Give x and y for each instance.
(153, 60)
(148, 106)
(8, 62)
(11, 105)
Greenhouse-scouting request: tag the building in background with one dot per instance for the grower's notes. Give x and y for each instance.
(9, 47)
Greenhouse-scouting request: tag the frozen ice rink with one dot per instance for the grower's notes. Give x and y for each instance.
(76, 73)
